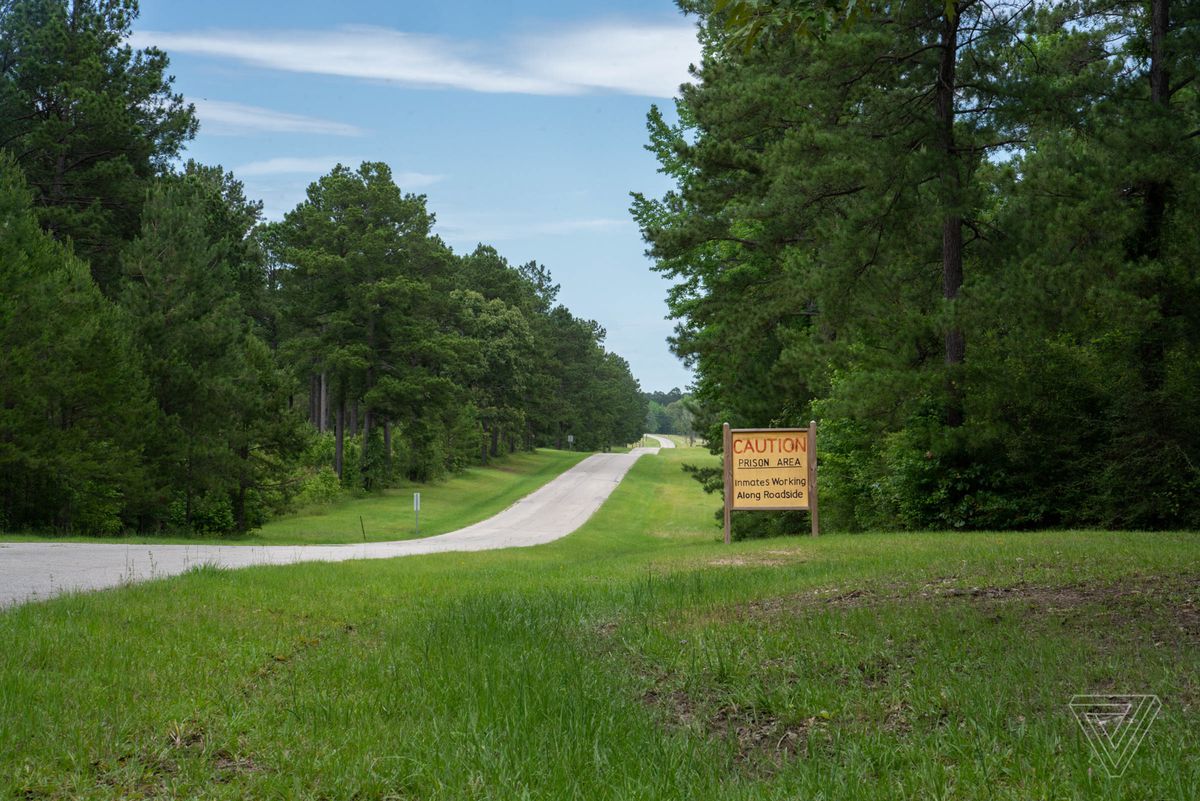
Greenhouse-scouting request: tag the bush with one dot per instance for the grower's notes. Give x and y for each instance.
(212, 513)
(319, 488)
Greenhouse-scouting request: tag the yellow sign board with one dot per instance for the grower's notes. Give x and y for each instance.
(770, 469)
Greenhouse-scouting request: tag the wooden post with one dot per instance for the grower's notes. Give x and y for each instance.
(727, 467)
(812, 478)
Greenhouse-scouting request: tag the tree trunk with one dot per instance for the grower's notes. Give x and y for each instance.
(366, 438)
(239, 497)
(314, 401)
(1160, 24)
(323, 426)
(339, 435)
(483, 449)
(1153, 347)
(952, 237)
(387, 446)
(495, 441)
(239, 509)
(1160, 99)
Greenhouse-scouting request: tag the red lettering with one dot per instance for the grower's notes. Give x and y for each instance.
(768, 444)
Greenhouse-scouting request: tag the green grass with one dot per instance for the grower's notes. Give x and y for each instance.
(637, 658)
(468, 497)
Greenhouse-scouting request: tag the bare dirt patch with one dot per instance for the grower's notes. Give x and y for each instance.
(761, 559)
(229, 766)
(1172, 601)
(762, 741)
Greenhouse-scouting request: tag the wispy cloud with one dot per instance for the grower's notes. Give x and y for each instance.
(649, 60)
(415, 180)
(462, 232)
(223, 117)
(285, 165)
(629, 58)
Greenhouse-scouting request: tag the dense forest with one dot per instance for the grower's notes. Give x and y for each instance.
(963, 236)
(171, 362)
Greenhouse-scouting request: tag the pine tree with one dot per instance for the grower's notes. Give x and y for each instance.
(73, 398)
(221, 425)
(89, 120)
(363, 315)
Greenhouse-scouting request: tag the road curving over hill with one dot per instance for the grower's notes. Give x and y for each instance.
(31, 571)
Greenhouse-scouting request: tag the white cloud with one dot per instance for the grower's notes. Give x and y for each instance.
(223, 117)
(650, 60)
(630, 58)
(415, 180)
(286, 165)
(465, 231)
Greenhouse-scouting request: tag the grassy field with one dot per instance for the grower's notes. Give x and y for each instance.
(637, 658)
(473, 495)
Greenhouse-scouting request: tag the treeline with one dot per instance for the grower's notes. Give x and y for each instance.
(962, 236)
(669, 413)
(170, 362)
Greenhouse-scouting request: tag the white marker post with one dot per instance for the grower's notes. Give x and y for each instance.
(417, 510)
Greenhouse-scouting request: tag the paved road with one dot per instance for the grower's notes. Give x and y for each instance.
(663, 442)
(37, 570)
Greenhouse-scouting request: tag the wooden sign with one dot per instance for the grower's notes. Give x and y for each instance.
(771, 469)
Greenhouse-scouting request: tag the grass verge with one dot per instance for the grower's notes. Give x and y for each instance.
(637, 658)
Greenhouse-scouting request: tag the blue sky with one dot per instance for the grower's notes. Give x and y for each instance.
(523, 123)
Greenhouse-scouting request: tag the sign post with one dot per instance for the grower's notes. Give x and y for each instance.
(771, 469)
(417, 510)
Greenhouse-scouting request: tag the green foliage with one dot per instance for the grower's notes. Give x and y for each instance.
(820, 190)
(90, 120)
(179, 408)
(457, 359)
(222, 425)
(73, 397)
(319, 488)
(670, 413)
(208, 514)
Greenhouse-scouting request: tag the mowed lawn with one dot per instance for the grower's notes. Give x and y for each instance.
(475, 494)
(636, 659)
